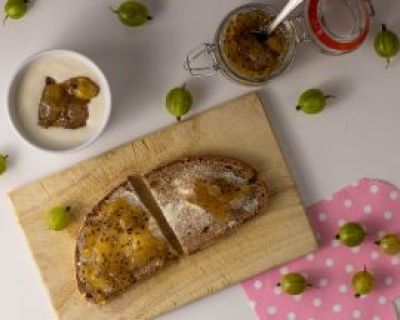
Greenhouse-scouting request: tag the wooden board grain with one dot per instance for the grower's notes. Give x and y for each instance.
(238, 128)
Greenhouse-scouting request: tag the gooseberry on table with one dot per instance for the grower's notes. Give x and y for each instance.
(3, 163)
(15, 9)
(312, 101)
(386, 44)
(179, 102)
(132, 13)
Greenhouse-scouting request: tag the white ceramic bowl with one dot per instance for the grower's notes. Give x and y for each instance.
(17, 122)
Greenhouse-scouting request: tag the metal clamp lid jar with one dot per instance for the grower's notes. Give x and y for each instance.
(335, 27)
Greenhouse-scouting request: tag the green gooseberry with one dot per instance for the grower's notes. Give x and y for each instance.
(363, 282)
(59, 218)
(3, 163)
(15, 9)
(351, 234)
(386, 44)
(132, 13)
(293, 283)
(390, 244)
(179, 102)
(312, 101)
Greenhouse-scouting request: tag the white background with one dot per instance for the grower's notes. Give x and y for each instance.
(357, 136)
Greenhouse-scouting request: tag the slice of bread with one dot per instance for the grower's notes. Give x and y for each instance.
(204, 197)
(119, 244)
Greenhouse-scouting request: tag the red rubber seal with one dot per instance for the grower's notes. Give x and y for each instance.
(327, 40)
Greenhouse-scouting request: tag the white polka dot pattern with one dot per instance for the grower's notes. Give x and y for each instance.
(310, 257)
(368, 209)
(271, 310)
(394, 195)
(356, 249)
(374, 189)
(322, 216)
(335, 243)
(348, 203)
(349, 268)
(388, 215)
(343, 288)
(389, 280)
(376, 206)
(317, 302)
(356, 314)
(375, 255)
(382, 300)
(395, 261)
(330, 262)
(258, 284)
(337, 308)
(284, 270)
(278, 291)
(298, 297)
(323, 282)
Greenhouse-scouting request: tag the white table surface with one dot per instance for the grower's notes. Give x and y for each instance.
(357, 136)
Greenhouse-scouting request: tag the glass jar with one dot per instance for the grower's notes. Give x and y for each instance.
(335, 27)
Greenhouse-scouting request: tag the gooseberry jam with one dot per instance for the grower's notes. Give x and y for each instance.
(247, 50)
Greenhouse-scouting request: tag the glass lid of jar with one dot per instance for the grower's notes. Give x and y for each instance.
(338, 26)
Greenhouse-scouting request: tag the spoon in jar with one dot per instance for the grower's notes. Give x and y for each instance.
(263, 32)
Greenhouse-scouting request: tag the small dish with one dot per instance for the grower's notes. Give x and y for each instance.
(25, 91)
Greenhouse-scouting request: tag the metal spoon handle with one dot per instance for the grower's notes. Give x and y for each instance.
(289, 7)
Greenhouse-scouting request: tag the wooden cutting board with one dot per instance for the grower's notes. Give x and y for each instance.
(238, 128)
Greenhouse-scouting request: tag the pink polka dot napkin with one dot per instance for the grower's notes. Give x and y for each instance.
(376, 205)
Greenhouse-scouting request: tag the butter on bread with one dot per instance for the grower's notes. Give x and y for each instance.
(204, 197)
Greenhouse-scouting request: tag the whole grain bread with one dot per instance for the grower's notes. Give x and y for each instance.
(93, 228)
(173, 187)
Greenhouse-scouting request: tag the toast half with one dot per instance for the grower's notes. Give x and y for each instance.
(119, 244)
(204, 197)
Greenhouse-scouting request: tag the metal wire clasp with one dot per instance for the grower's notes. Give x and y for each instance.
(370, 8)
(205, 68)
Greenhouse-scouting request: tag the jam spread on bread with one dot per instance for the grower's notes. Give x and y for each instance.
(216, 196)
(114, 246)
(65, 104)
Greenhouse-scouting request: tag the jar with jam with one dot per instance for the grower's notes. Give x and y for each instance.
(243, 53)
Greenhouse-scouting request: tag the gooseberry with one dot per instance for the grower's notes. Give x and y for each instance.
(3, 163)
(132, 13)
(312, 101)
(386, 44)
(179, 102)
(390, 244)
(15, 9)
(59, 218)
(363, 282)
(293, 283)
(351, 234)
